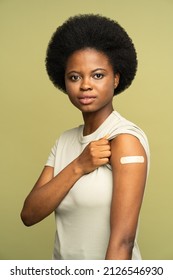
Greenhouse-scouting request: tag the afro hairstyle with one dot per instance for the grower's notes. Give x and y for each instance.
(97, 32)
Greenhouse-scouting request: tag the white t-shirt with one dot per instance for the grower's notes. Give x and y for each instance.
(83, 216)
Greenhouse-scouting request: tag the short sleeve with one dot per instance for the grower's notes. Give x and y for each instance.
(52, 155)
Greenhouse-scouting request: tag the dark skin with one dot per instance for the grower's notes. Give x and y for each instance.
(90, 83)
(129, 184)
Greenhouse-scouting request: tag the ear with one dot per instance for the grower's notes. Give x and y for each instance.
(116, 80)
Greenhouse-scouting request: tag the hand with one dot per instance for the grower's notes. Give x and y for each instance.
(95, 154)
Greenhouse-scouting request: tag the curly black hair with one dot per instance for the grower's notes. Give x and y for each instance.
(97, 32)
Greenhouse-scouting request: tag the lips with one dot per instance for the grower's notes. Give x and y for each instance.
(87, 99)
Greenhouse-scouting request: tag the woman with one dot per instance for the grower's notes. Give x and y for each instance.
(95, 176)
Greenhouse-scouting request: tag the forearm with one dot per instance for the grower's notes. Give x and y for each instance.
(44, 200)
(49, 192)
(120, 251)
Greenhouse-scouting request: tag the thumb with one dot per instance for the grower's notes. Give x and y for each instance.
(102, 140)
(106, 136)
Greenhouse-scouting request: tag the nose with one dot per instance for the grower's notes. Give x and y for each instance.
(85, 85)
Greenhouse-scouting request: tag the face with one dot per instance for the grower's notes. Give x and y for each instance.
(90, 81)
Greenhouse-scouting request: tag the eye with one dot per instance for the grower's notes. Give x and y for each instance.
(74, 78)
(98, 76)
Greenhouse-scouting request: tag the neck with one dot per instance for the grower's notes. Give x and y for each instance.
(93, 120)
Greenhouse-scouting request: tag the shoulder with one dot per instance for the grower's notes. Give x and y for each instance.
(71, 131)
(128, 135)
(69, 134)
(120, 125)
(126, 145)
(65, 137)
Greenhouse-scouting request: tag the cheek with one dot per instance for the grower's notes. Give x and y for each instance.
(71, 93)
(71, 88)
(71, 98)
(68, 85)
(108, 88)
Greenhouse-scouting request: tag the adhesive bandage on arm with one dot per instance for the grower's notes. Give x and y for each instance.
(132, 159)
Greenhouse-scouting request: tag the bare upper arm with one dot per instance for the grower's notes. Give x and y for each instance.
(128, 185)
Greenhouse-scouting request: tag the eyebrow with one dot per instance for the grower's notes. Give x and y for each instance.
(97, 69)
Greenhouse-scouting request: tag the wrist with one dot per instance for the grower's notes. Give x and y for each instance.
(77, 168)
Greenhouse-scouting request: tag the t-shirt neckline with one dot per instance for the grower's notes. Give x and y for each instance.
(93, 136)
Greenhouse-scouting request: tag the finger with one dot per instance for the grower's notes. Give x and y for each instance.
(103, 141)
(106, 136)
(105, 148)
(103, 161)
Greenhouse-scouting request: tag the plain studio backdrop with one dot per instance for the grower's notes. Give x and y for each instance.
(34, 113)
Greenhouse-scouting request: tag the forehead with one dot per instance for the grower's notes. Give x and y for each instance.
(88, 58)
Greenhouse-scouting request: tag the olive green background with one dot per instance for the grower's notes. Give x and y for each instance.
(33, 114)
